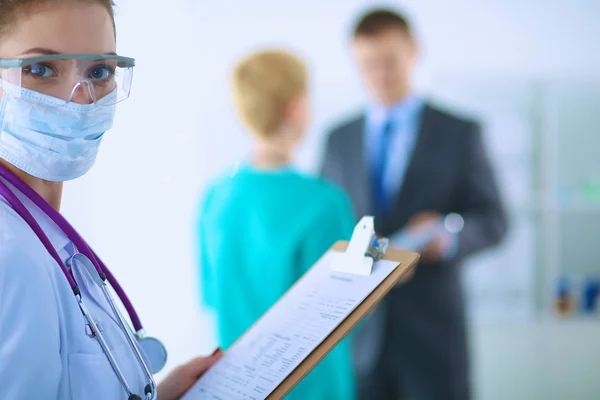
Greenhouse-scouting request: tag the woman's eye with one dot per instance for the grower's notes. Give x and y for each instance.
(102, 73)
(40, 70)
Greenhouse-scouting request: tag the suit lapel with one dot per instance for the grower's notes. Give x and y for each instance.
(359, 171)
(415, 165)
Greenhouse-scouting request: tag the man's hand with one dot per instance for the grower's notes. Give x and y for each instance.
(440, 244)
(174, 386)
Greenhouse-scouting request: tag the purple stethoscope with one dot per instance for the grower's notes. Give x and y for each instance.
(153, 348)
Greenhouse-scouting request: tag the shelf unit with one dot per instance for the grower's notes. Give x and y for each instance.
(542, 137)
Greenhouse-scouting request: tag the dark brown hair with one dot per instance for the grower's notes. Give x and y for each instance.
(375, 21)
(10, 10)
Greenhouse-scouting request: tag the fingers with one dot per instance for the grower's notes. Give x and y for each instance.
(432, 252)
(425, 216)
(423, 220)
(199, 365)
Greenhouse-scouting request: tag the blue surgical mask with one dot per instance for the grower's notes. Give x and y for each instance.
(51, 140)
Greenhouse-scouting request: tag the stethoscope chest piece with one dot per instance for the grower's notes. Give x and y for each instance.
(155, 351)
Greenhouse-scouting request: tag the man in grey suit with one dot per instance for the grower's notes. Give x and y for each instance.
(410, 163)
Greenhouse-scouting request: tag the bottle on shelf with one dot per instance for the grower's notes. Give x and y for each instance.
(565, 196)
(589, 295)
(564, 303)
(590, 191)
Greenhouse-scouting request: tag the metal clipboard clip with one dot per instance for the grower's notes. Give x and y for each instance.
(362, 252)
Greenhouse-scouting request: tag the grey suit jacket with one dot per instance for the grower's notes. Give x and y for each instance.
(419, 330)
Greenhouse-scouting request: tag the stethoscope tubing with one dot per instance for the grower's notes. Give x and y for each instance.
(69, 231)
(99, 268)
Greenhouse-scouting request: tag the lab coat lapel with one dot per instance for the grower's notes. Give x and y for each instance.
(93, 292)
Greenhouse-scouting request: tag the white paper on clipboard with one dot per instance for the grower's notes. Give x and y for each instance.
(304, 317)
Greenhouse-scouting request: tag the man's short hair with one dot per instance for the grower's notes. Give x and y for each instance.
(375, 21)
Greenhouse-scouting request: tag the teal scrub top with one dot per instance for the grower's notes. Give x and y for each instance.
(259, 232)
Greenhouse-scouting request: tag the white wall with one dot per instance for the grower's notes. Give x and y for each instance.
(537, 360)
(177, 130)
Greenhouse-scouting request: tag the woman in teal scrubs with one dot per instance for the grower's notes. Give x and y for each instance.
(262, 227)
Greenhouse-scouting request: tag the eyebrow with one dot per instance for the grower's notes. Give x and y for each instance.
(48, 52)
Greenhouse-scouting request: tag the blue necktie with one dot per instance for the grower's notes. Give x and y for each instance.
(380, 164)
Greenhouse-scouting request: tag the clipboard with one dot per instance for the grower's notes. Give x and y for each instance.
(407, 259)
(354, 257)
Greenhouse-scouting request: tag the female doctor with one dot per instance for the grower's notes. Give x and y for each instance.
(61, 335)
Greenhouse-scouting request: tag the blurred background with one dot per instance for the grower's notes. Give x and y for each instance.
(528, 70)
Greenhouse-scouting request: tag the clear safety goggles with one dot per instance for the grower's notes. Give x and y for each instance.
(77, 78)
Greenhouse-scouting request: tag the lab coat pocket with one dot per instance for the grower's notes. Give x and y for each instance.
(92, 377)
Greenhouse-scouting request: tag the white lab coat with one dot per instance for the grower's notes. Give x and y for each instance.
(45, 350)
